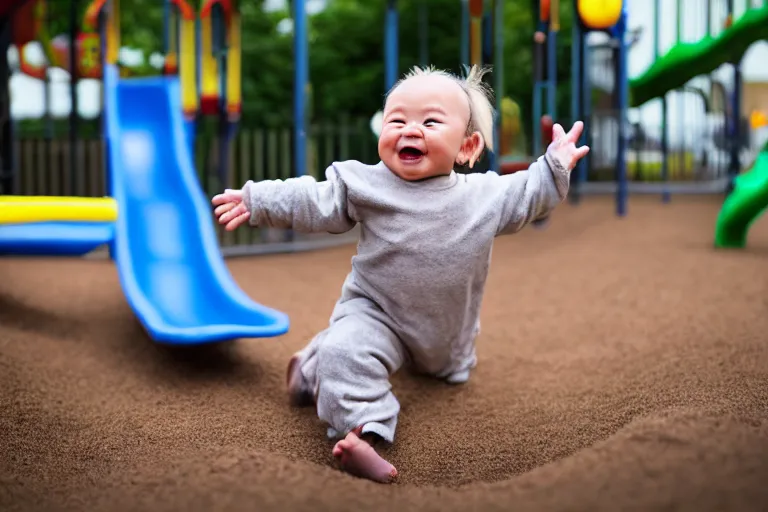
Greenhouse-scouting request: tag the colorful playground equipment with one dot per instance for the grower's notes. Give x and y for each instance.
(210, 78)
(590, 15)
(608, 17)
(670, 71)
(21, 209)
(482, 38)
(157, 221)
(29, 25)
(747, 201)
(66, 226)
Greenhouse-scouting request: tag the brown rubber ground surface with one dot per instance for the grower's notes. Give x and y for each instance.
(623, 366)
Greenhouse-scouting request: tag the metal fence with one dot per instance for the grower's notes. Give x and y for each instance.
(699, 142)
(699, 151)
(44, 166)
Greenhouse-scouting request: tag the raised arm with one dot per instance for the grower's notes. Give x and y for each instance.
(531, 194)
(302, 204)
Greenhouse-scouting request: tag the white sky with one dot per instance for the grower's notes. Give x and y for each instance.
(27, 92)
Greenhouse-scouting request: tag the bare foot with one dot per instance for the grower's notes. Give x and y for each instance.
(358, 458)
(299, 393)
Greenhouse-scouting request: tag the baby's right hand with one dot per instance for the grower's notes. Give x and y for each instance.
(563, 147)
(230, 209)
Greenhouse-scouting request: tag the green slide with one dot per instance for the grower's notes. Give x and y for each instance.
(685, 61)
(745, 204)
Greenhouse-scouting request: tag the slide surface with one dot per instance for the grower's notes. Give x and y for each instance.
(686, 61)
(745, 203)
(165, 248)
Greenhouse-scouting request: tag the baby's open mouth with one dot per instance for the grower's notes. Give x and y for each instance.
(410, 153)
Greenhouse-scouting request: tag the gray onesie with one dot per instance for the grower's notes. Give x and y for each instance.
(417, 281)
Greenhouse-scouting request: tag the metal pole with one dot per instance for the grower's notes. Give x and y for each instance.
(735, 165)
(220, 50)
(498, 18)
(665, 195)
(465, 32)
(476, 32)
(301, 73)
(423, 33)
(539, 79)
(73, 81)
(576, 68)
(7, 164)
(622, 96)
(554, 28)
(103, 19)
(47, 118)
(586, 99)
(390, 45)
(166, 25)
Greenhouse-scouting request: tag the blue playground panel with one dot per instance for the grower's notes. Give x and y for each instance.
(54, 238)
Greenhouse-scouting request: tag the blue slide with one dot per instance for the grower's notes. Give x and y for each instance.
(165, 246)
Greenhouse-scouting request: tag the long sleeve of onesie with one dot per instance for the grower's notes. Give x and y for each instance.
(302, 204)
(525, 196)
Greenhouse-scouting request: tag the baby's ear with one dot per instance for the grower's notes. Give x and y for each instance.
(471, 149)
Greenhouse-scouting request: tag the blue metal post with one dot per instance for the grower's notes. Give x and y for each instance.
(487, 44)
(465, 32)
(576, 69)
(622, 87)
(390, 45)
(552, 73)
(586, 99)
(736, 135)
(301, 75)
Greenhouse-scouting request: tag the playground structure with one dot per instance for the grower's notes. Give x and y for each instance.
(156, 220)
(190, 82)
(482, 42)
(29, 26)
(671, 71)
(609, 17)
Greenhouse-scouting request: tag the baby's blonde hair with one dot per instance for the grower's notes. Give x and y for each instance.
(479, 93)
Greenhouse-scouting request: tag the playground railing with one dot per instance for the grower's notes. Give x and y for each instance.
(698, 151)
(43, 165)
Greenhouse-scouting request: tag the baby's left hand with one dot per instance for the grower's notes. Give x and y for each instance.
(563, 147)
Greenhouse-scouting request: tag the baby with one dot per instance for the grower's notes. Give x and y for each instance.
(414, 292)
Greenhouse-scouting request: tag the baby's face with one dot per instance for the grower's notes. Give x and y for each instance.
(424, 127)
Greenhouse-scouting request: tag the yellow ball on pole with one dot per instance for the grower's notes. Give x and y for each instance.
(599, 14)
